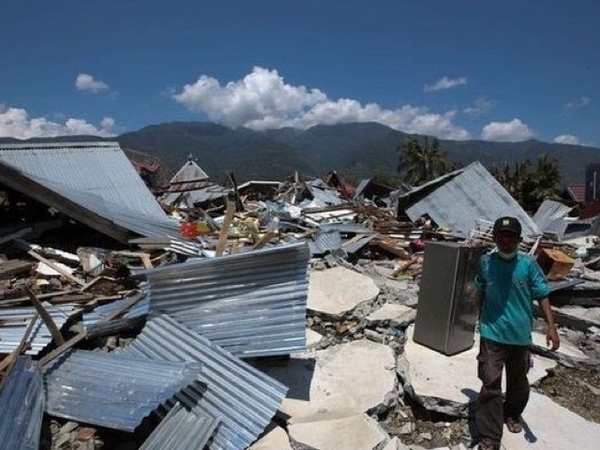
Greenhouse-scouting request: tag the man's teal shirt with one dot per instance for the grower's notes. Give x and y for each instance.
(508, 290)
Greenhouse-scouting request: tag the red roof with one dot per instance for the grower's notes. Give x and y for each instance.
(577, 192)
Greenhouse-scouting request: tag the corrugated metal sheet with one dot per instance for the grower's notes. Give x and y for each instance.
(110, 389)
(95, 175)
(459, 199)
(22, 407)
(190, 194)
(94, 326)
(326, 241)
(251, 304)
(243, 398)
(14, 322)
(181, 430)
(550, 218)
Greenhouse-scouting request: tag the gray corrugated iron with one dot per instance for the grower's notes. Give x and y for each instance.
(243, 398)
(94, 326)
(22, 407)
(181, 430)
(111, 389)
(88, 181)
(457, 200)
(325, 241)
(188, 195)
(550, 217)
(14, 322)
(251, 304)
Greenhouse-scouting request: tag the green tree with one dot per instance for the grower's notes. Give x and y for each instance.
(530, 188)
(419, 163)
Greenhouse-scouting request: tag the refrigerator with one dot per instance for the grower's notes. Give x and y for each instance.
(447, 310)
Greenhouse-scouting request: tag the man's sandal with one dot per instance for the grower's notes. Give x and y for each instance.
(513, 425)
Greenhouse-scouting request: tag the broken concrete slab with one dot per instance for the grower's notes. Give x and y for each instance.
(453, 378)
(549, 426)
(338, 290)
(275, 439)
(393, 315)
(340, 381)
(357, 432)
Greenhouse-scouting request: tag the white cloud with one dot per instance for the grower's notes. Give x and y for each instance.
(480, 107)
(567, 139)
(14, 122)
(581, 102)
(445, 83)
(512, 131)
(86, 82)
(263, 100)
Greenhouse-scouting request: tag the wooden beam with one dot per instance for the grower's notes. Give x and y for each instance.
(47, 318)
(225, 228)
(63, 348)
(265, 238)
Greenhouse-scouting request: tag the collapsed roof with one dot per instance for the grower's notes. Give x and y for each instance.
(91, 182)
(460, 199)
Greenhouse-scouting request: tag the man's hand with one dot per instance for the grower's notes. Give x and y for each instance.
(552, 337)
(552, 333)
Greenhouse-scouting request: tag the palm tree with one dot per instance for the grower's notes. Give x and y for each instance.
(418, 163)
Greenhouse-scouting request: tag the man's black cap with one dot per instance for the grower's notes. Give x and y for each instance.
(508, 224)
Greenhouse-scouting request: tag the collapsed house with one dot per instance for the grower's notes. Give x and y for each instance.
(205, 309)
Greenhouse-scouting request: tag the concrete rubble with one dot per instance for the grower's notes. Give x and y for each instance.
(283, 313)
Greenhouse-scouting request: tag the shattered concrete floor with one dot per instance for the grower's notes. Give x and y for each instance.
(363, 384)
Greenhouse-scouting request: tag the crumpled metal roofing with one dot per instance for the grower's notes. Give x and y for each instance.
(14, 322)
(110, 389)
(181, 429)
(98, 176)
(191, 194)
(251, 303)
(22, 407)
(550, 217)
(457, 200)
(93, 324)
(243, 398)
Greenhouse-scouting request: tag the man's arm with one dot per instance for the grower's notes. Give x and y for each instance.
(551, 333)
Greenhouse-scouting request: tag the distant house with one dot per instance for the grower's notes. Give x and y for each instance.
(574, 193)
(191, 188)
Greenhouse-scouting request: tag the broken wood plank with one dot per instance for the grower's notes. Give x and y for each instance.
(225, 228)
(143, 256)
(47, 318)
(18, 300)
(265, 238)
(29, 249)
(62, 348)
(10, 268)
(83, 334)
(83, 297)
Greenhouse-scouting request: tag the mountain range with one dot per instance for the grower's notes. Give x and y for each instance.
(354, 150)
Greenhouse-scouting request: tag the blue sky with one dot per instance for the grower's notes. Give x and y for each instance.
(461, 69)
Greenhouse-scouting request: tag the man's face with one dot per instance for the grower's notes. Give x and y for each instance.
(506, 241)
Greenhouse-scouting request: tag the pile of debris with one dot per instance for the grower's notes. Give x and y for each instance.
(249, 316)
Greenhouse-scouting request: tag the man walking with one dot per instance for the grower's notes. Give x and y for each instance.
(509, 282)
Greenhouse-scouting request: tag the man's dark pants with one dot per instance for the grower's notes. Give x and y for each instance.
(492, 409)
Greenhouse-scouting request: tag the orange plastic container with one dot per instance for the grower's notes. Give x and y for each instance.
(188, 229)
